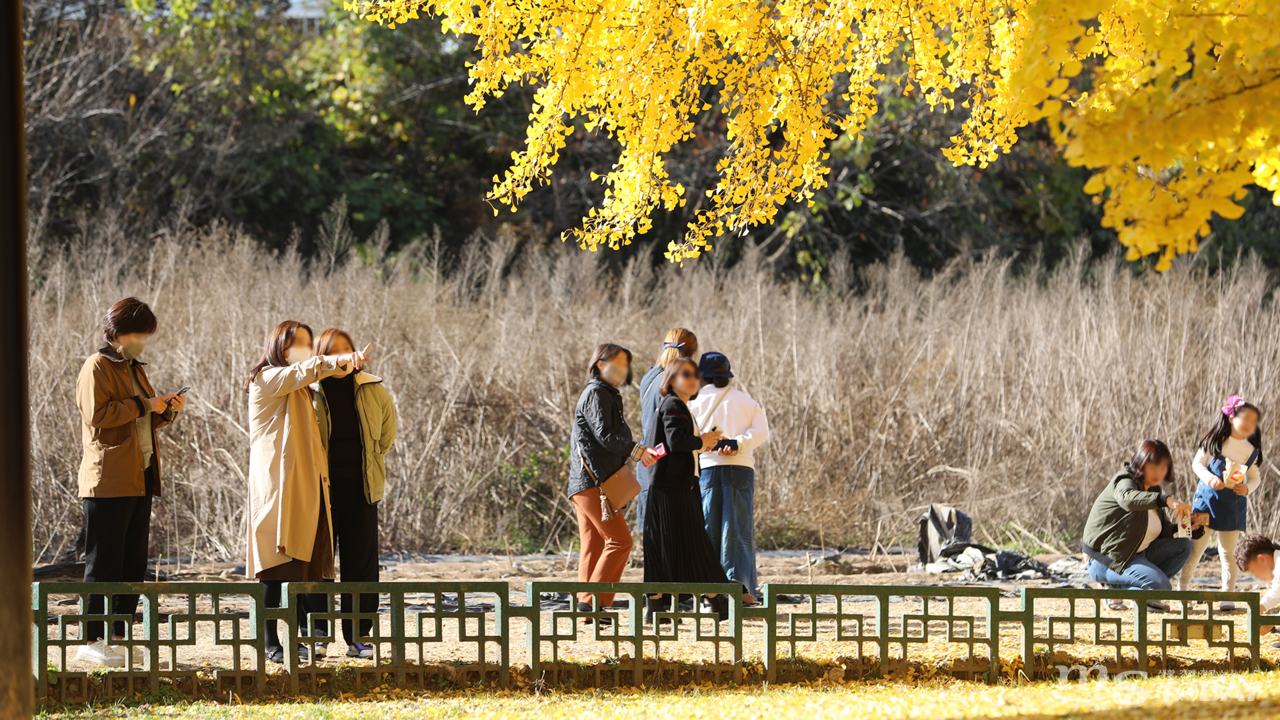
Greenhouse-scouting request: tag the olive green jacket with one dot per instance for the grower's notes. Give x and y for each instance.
(377, 428)
(1118, 521)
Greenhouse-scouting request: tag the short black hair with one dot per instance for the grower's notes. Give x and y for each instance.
(607, 352)
(128, 316)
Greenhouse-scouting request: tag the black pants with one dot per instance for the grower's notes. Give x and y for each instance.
(307, 604)
(115, 550)
(355, 532)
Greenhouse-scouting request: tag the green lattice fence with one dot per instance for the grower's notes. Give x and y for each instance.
(234, 616)
(1129, 637)
(888, 629)
(545, 636)
(197, 635)
(419, 614)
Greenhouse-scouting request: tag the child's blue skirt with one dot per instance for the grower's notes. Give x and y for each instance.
(1228, 510)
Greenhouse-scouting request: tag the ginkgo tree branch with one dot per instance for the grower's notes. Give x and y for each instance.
(1162, 90)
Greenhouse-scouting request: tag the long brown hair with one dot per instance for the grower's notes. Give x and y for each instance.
(325, 341)
(278, 344)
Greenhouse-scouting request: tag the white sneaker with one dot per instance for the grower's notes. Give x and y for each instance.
(1159, 606)
(1226, 606)
(97, 653)
(322, 649)
(364, 651)
(1117, 605)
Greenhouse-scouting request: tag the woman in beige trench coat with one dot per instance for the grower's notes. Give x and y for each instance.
(289, 517)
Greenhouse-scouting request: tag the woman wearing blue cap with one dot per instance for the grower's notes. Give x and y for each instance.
(728, 475)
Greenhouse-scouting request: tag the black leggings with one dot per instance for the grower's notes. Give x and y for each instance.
(307, 604)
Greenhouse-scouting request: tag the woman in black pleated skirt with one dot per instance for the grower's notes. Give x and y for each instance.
(677, 548)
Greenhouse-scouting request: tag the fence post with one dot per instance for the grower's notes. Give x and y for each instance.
(770, 634)
(398, 657)
(1028, 634)
(291, 633)
(259, 629)
(534, 636)
(40, 638)
(882, 631)
(1255, 632)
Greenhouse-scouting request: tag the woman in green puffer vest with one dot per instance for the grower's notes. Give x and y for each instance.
(357, 426)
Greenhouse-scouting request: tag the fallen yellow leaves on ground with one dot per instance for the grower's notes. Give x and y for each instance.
(1245, 696)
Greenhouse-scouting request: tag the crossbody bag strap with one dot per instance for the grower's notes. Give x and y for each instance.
(697, 427)
(587, 467)
(653, 384)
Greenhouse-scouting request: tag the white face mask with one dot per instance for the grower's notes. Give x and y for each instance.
(297, 354)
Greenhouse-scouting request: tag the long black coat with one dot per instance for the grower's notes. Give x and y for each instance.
(602, 435)
(673, 427)
(676, 545)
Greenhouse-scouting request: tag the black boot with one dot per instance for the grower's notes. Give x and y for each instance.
(720, 606)
(653, 605)
(586, 608)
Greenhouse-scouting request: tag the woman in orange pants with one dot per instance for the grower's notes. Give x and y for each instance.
(600, 445)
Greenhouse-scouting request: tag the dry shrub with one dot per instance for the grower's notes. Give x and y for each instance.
(1014, 397)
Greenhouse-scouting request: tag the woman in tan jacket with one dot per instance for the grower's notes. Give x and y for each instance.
(289, 518)
(120, 471)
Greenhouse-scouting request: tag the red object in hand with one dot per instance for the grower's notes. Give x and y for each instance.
(656, 454)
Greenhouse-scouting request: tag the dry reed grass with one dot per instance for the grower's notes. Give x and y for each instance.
(1013, 396)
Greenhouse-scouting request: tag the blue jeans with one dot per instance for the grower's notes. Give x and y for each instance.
(728, 507)
(1149, 569)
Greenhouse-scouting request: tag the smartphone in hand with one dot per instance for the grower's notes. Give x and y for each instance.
(169, 403)
(724, 443)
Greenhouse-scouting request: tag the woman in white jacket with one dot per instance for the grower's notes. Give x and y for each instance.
(289, 520)
(728, 473)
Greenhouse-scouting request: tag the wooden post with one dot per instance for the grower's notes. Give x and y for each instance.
(16, 679)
